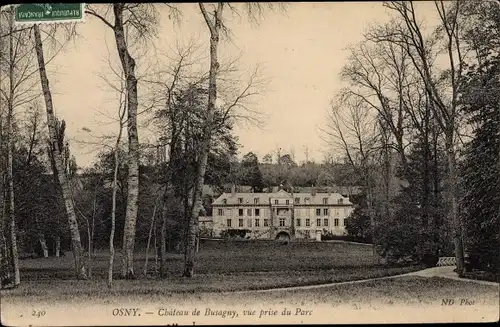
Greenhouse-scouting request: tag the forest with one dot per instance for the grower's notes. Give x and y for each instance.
(416, 127)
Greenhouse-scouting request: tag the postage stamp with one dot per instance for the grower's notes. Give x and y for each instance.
(249, 163)
(40, 13)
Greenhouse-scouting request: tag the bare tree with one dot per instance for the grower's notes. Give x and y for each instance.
(215, 23)
(121, 116)
(57, 156)
(378, 75)
(10, 176)
(143, 19)
(442, 90)
(354, 131)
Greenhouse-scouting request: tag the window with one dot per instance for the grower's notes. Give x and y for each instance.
(240, 200)
(325, 222)
(318, 222)
(275, 201)
(256, 201)
(345, 222)
(308, 222)
(220, 212)
(224, 201)
(325, 200)
(282, 222)
(306, 200)
(340, 201)
(249, 212)
(336, 222)
(240, 212)
(297, 200)
(257, 212)
(240, 222)
(325, 212)
(287, 201)
(249, 222)
(257, 223)
(318, 212)
(228, 223)
(266, 222)
(298, 222)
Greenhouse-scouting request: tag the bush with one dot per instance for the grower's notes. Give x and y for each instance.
(329, 236)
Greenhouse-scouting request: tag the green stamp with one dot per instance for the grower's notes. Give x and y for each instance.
(31, 13)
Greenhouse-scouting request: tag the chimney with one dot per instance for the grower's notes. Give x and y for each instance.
(233, 190)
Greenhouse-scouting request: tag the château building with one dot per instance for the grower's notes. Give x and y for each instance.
(280, 214)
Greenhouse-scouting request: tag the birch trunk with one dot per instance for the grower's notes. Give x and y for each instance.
(149, 238)
(43, 244)
(58, 160)
(113, 200)
(10, 175)
(128, 65)
(58, 246)
(113, 212)
(192, 231)
(454, 217)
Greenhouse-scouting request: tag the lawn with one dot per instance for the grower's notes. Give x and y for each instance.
(220, 266)
(221, 258)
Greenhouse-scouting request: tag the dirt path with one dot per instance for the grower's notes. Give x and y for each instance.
(443, 272)
(447, 272)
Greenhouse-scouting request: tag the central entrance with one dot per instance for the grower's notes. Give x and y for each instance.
(283, 236)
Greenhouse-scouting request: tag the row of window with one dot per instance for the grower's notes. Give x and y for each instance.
(282, 222)
(296, 201)
(257, 212)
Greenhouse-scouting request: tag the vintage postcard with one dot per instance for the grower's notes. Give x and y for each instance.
(249, 163)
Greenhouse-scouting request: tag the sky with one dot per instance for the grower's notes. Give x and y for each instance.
(301, 52)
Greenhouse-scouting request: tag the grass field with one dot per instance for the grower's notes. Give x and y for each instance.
(221, 258)
(220, 266)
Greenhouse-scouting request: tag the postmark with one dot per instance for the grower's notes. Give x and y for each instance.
(47, 13)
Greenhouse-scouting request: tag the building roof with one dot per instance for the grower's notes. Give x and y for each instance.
(264, 198)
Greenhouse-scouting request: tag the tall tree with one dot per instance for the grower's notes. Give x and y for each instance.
(251, 174)
(10, 176)
(442, 88)
(142, 17)
(57, 155)
(480, 169)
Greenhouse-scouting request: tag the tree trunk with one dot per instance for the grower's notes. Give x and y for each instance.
(454, 217)
(10, 145)
(89, 250)
(113, 202)
(43, 244)
(2, 222)
(128, 65)
(56, 154)
(192, 231)
(58, 246)
(149, 238)
(163, 238)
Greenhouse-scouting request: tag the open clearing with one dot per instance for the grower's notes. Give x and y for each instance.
(220, 266)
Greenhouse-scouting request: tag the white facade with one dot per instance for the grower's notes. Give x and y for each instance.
(281, 214)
